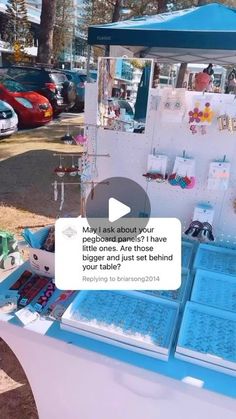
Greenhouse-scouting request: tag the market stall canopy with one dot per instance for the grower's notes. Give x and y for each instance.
(200, 34)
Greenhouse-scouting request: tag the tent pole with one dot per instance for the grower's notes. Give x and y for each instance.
(88, 62)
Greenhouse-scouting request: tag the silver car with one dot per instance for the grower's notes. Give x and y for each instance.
(8, 120)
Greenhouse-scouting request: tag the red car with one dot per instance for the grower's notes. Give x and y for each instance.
(32, 108)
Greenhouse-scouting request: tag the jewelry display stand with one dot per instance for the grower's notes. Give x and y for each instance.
(78, 374)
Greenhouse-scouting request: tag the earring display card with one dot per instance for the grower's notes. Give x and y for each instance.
(136, 321)
(208, 337)
(157, 164)
(172, 105)
(27, 315)
(214, 290)
(179, 296)
(218, 177)
(215, 259)
(204, 214)
(184, 167)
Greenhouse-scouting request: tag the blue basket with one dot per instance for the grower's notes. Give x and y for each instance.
(187, 254)
(208, 337)
(215, 259)
(179, 296)
(128, 317)
(214, 289)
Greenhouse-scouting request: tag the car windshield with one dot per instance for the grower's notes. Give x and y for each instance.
(126, 105)
(12, 85)
(82, 78)
(58, 78)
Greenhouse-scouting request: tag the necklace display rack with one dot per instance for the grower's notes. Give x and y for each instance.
(84, 168)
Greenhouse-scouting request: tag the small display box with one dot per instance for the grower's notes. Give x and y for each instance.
(180, 295)
(215, 289)
(135, 321)
(187, 254)
(216, 259)
(208, 337)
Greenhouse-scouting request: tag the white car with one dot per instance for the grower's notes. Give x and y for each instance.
(8, 120)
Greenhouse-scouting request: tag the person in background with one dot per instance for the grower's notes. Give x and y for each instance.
(231, 83)
(204, 80)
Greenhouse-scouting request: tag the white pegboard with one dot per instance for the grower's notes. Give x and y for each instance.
(129, 153)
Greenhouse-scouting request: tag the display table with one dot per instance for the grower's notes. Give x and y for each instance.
(76, 377)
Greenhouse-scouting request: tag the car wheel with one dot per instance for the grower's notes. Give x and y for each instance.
(79, 107)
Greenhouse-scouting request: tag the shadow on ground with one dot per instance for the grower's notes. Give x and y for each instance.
(26, 183)
(48, 137)
(17, 403)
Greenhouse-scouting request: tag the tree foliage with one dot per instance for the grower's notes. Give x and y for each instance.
(99, 11)
(17, 29)
(186, 4)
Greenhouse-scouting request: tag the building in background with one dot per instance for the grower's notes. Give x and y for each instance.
(74, 56)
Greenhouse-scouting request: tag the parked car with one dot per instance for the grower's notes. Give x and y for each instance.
(8, 120)
(118, 104)
(52, 84)
(79, 80)
(32, 109)
(79, 77)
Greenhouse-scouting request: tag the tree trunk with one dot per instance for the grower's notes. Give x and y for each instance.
(48, 17)
(162, 6)
(116, 11)
(115, 18)
(202, 2)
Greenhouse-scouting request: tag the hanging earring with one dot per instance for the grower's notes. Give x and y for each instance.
(62, 195)
(192, 183)
(207, 231)
(73, 169)
(60, 170)
(81, 138)
(194, 228)
(55, 191)
(68, 138)
(92, 191)
(193, 129)
(203, 129)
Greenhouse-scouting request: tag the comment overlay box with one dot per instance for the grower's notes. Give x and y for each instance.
(123, 257)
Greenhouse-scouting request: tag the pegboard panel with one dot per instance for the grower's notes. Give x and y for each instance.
(129, 153)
